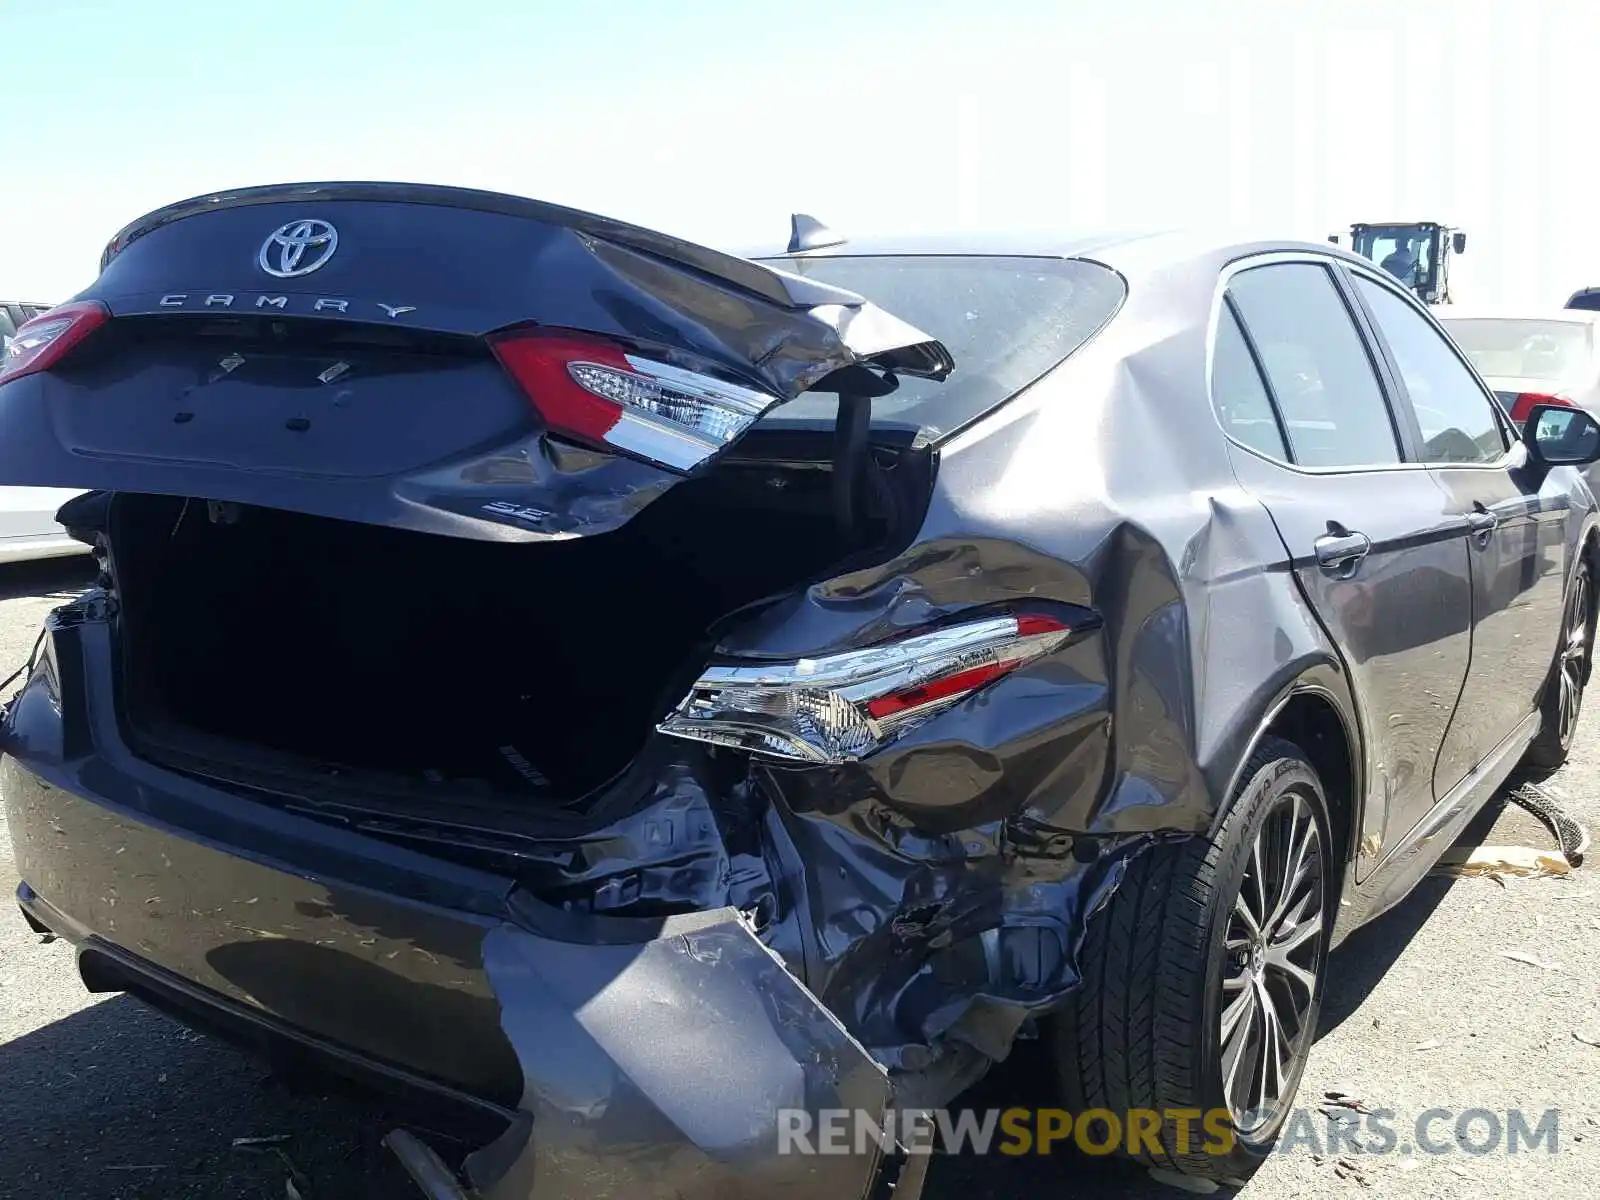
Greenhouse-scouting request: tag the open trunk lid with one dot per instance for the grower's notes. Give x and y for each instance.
(430, 358)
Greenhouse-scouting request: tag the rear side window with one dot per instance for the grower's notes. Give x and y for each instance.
(1458, 420)
(1328, 394)
(1006, 320)
(1238, 393)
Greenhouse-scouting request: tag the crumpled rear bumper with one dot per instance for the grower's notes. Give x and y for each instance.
(664, 1067)
(629, 1057)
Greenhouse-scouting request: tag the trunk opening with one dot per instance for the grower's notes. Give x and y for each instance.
(261, 642)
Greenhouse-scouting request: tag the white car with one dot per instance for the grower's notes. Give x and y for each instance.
(28, 528)
(1532, 357)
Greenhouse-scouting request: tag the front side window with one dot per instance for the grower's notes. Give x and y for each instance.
(1328, 393)
(1458, 419)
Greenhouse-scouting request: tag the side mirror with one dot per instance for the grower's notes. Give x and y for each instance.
(1559, 436)
(1334, 238)
(1458, 242)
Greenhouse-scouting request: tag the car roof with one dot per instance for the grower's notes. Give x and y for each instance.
(1140, 250)
(1568, 316)
(1029, 244)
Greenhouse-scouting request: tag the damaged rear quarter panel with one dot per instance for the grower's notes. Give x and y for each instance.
(933, 896)
(948, 876)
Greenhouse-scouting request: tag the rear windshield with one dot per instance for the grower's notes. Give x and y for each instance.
(1523, 349)
(1006, 321)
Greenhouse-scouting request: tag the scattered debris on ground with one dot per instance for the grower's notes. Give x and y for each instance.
(1501, 863)
(1341, 1098)
(295, 1185)
(1533, 960)
(1187, 1183)
(1504, 862)
(1347, 1168)
(272, 1139)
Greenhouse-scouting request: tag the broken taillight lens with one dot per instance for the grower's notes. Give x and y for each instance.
(48, 338)
(841, 707)
(600, 392)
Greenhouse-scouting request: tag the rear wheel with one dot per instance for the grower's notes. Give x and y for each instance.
(1203, 980)
(1563, 695)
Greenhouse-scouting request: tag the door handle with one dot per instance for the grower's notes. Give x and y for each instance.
(1342, 551)
(1482, 522)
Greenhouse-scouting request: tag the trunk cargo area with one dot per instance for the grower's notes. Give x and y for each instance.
(310, 649)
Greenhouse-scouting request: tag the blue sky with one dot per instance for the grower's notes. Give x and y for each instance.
(715, 120)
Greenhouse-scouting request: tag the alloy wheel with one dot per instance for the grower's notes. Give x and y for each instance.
(1574, 658)
(1269, 979)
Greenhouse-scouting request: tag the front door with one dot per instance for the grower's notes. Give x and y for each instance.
(1380, 558)
(1517, 517)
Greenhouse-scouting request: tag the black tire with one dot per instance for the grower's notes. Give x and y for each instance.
(1144, 1031)
(1561, 704)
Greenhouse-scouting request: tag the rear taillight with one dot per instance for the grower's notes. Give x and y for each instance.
(600, 392)
(841, 707)
(48, 338)
(1524, 402)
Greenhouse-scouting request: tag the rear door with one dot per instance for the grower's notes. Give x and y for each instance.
(430, 358)
(1517, 515)
(1379, 557)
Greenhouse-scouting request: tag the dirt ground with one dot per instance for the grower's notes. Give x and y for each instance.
(103, 1099)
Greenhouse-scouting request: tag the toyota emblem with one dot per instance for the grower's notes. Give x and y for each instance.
(298, 248)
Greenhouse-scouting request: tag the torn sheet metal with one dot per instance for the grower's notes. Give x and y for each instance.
(936, 950)
(660, 1060)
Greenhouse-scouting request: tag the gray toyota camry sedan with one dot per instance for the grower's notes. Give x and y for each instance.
(640, 701)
